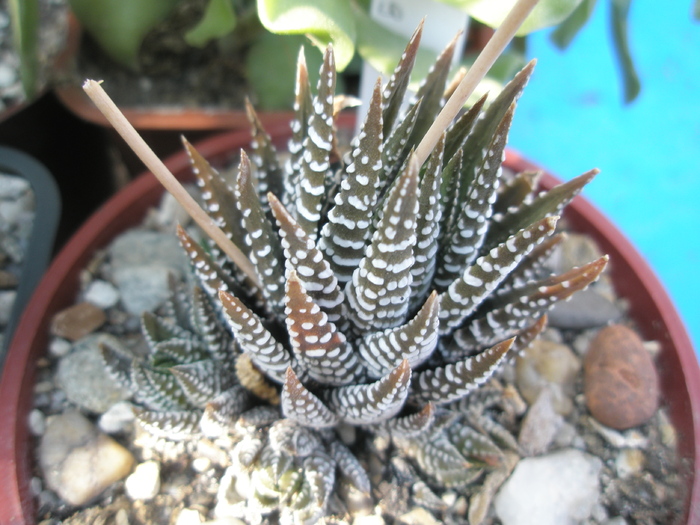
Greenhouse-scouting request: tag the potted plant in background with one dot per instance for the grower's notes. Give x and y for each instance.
(238, 43)
(295, 392)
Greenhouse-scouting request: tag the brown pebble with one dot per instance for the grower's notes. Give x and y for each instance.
(621, 383)
(8, 280)
(77, 321)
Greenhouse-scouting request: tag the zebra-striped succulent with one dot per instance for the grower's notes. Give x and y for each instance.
(387, 293)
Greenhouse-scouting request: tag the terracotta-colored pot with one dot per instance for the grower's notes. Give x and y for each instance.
(650, 306)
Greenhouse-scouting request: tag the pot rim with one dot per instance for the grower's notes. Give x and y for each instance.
(31, 336)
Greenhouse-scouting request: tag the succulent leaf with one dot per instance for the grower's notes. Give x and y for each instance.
(344, 236)
(157, 389)
(378, 292)
(468, 291)
(299, 126)
(374, 402)
(317, 344)
(350, 467)
(468, 231)
(533, 301)
(206, 322)
(318, 144)
(427, 227)
(413, 424)
(265, 250)
(395, 90)
(431, 91)
(455, 380)
(218, 197)
(545, 204)
(254, 339)
(174, 425)
(203, 380)
(310, 264)
(414, 341)
(304, 407)
(268, 173)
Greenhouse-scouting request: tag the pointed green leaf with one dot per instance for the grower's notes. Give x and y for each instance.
(372, 403)
(453, 381)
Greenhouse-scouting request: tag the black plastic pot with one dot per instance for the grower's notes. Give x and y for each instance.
(41, 241)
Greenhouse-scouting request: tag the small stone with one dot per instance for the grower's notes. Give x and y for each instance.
(58, 347)
(540, 425)
(118, 418)
(37, 422)
(620, 380)
(84, 379)
(629, 461)
(8, 75)
(417, 516)
(225, 521)
(585, 309)
(189, 517)
(201, 464)
(368, 520)
(77, 321)
(551, 365)
(171, 212)
(102, 294)
(576, 250)
(8, 280)
(146, 248)
(481, 500)
(36, 485)
(142, 288)
(121, 517)
(78, 462)
(559, 488)
(12, 187)
(144, 482)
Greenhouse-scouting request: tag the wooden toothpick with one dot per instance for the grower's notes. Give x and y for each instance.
(167, 179)
(493, 49)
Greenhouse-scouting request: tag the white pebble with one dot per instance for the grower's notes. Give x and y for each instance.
(37, 422)
(201, 464)
(102, 294)
(59, 347)
(189, 517)
(144, 482)
(117, 419)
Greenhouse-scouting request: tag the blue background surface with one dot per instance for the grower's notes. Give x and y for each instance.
(572, 118)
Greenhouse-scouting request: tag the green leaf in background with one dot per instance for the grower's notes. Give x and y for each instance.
(696, 10)
(219, 20)
(25, 27)
(278, 54)
(119, 26)
(323, 21)
(564, 34)
(630, 79)
(382, 48)
(547, 13)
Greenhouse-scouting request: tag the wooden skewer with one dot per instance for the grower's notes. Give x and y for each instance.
(493, 49)
(167, 179)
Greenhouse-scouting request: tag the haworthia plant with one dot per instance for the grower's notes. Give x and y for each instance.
(390, 293)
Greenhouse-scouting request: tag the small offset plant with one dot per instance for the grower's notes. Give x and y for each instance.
(388, 293)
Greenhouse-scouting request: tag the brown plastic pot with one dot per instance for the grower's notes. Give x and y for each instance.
(146, 117)
(633, 279)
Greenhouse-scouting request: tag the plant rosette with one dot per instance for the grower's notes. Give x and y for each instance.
(369, 369)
